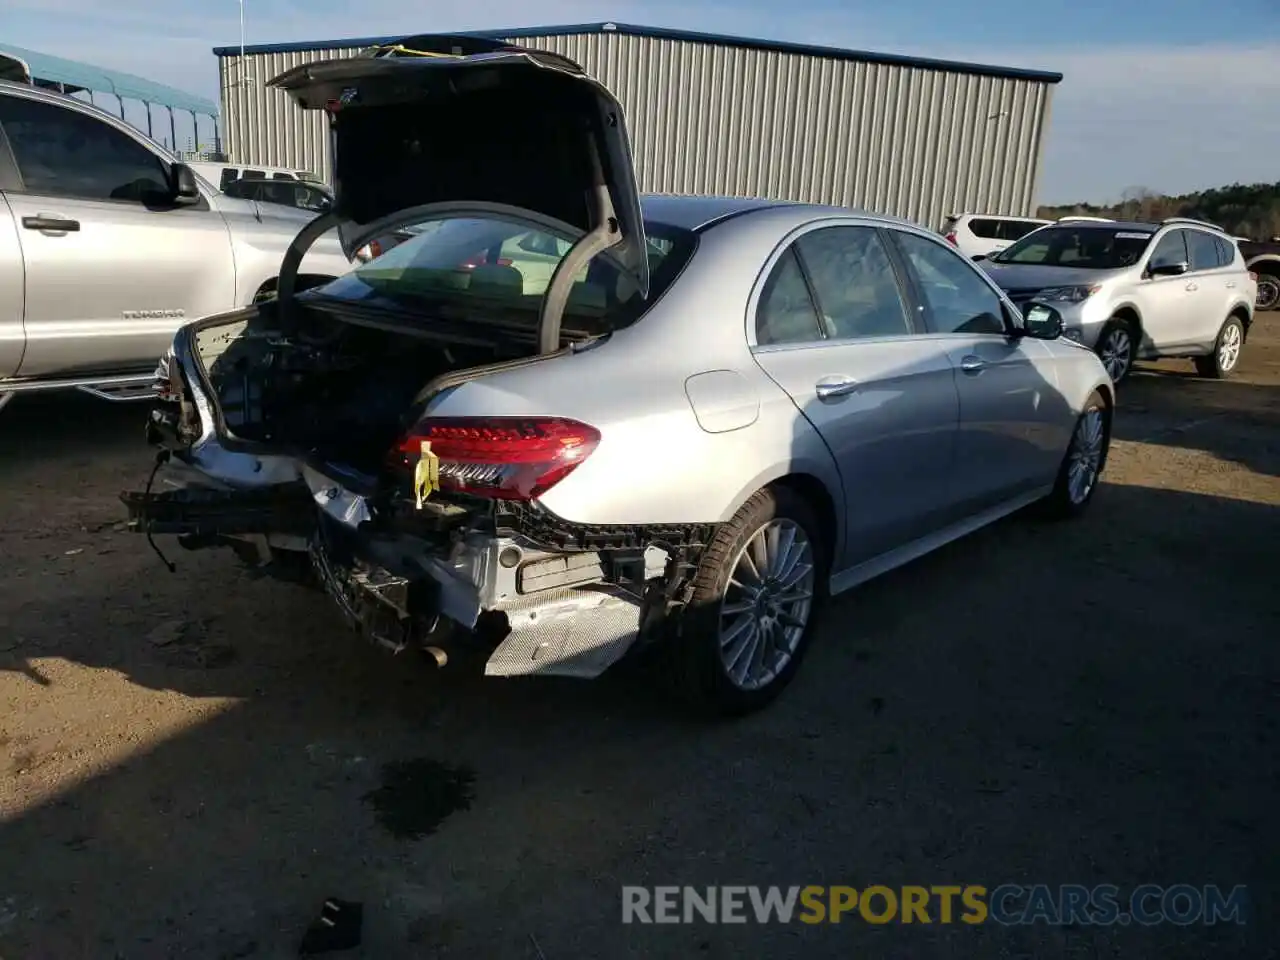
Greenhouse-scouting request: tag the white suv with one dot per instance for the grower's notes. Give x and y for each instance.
(975, 234)
(1137, 291)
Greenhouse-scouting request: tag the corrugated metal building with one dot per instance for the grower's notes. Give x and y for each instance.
(731, 116)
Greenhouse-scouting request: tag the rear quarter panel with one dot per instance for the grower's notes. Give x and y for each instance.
(655, 462)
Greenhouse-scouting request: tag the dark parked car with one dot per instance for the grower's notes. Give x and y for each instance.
(1263, 258)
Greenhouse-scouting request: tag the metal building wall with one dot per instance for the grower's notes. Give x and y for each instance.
(919, 143)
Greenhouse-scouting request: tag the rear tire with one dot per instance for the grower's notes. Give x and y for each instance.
(1117, 348)
(1226, 351)
(1081, 469)
(741, 639)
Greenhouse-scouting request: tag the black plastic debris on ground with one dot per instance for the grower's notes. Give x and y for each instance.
(417, 795)
(337, 928)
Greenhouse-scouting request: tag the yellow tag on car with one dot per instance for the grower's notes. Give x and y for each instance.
(426, 475)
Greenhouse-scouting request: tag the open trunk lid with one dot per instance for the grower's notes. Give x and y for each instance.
(447, 123)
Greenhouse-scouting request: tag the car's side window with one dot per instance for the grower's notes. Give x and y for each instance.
(1203, 248)
(985, 229)
(1017, 229)
(64, 153)
(309, 198)
(786, 313)
(854, 283)
(241, 190)
(229, 176)
(1172, 248)
(1226, 251)
(959, 300)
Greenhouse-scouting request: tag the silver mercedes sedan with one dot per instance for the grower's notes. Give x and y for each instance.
(562, 422)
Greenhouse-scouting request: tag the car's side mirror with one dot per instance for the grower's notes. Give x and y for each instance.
(1042, 322)
(185, 190)
(1169, 268)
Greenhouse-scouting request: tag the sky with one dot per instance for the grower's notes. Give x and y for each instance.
(1168, 95)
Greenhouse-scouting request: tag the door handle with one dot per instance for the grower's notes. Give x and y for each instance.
(833, 388)
(1231, 284)
(1193, 286)
(972, 365)
(51, 221)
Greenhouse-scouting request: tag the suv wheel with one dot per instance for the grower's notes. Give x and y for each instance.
(750, 619)
(1268, 291)
(1117, 348)
(1226, 351)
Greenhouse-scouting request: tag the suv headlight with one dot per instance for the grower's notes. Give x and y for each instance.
(1068, 294)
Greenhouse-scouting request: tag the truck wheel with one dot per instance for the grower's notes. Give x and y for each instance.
(1268, 291)
(746, 629)
(1226, 351)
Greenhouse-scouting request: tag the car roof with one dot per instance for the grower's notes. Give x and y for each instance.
(1136, 225)
(697, 213)
(996, 216)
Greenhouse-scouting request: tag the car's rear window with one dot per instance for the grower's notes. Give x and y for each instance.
(500, 268)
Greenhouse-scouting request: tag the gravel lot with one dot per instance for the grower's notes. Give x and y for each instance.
(190, 763)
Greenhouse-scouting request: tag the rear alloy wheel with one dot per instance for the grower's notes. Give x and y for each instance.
(1268, 291)
(1117, 349)
(1082, 465)
(749, 620)
(1226, 351)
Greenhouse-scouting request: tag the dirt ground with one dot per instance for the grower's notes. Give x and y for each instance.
(191, 762)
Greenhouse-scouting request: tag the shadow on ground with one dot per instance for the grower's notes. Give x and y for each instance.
(1072, 703)
(1170, 406)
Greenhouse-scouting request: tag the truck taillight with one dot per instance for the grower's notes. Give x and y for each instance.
(951, 239)
(1253, 276)
(506, 458)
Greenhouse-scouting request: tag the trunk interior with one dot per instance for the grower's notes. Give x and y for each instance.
(343, 390)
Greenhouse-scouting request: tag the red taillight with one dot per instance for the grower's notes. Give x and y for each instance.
(375, 249)
(951, 239)
(507, 458)
(1253, 276)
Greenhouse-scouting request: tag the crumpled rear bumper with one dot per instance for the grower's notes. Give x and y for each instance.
(546, 612)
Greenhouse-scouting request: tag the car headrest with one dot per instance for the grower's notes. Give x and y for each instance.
(496, 278)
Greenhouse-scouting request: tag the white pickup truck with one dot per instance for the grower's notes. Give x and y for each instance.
(107, 246)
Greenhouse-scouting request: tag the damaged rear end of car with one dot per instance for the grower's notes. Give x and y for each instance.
(307, 433)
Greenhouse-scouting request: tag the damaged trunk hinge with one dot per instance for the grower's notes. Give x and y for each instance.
(287, 284)
(605, 234)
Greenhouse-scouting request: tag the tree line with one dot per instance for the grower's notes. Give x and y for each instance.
(1245, 210)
